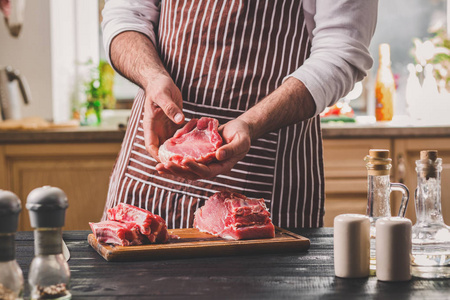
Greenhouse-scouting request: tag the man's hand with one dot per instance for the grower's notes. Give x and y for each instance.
(162, 112)
(237, 138)
(136, 58)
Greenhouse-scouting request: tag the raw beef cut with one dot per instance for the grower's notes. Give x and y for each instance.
(234, 216)
(112, 232)
(197, 140)
(151, 225)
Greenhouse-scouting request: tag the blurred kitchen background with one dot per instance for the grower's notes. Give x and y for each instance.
(69, 133)
(61, 40)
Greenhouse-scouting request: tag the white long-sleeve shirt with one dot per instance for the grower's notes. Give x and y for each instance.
(340, 32)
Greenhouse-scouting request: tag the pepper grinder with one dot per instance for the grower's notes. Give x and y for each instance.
(49, 272)
(11, 278)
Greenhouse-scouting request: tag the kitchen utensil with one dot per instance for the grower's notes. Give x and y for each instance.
(9, 94)
(352, 246)
(193, 243)
(393, 246)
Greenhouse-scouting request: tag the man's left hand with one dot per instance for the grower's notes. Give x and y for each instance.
(237, 138)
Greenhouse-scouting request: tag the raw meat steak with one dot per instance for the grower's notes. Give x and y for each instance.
(112, 232)
(197, 140)
(152, 226)
(234, 216)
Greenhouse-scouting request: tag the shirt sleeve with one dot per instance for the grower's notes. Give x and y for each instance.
(340, 32)
(129, 15)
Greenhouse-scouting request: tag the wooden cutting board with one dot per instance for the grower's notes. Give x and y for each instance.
(193, 243)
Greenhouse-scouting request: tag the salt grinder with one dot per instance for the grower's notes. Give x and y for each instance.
(49, 272)
(393, 249)
(352, 246)
(11, 278)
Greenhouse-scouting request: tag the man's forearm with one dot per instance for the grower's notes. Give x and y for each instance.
(289, 104)
(136, 58)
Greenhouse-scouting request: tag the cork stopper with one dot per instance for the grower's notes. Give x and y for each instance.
(379, 153)
(378, 162)
(429, 154)
(428, 158)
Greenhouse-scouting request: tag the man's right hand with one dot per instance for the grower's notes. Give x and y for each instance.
(136, 58)
(162, 112)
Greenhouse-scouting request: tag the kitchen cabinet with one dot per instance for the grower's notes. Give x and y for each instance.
(80, 162)
(407, 151)
(81, 170)
(346, 174)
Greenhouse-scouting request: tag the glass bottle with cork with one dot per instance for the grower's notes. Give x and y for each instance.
(430, 235)
(379, 188)
(384, 86)
(11, 278)
(49, 274)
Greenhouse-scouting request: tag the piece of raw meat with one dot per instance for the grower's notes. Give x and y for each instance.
(234, 216)
(198, 140)
(151, 225)
(113, 232)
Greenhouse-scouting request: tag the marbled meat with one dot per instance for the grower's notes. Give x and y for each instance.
(130, 225)
(234, 216)
(151, 225)
(197, 140)
(112, 232)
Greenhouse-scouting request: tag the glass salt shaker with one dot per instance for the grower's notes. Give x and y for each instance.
(11, 278)
(430, 235)
(49, 274)
(379, 188)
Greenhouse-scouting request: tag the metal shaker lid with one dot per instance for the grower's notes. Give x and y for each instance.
(10, 208)
(47, 207)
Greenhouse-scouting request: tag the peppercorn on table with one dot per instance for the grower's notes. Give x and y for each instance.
(305, 275)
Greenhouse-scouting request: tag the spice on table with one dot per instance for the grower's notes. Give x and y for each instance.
(53, 291)
(393, 249)
(351, 246)
(6, 294)
(49, 274)
(11, 278)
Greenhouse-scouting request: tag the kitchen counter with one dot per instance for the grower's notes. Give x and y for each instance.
(81, 134)
(384, 130)
(307, 275)
(111, 133)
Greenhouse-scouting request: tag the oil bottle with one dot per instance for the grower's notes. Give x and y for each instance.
(384, 86)
(430, 235)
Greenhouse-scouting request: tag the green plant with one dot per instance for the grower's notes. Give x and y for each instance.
(99, 88)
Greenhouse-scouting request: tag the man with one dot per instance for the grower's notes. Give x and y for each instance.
(264, 69)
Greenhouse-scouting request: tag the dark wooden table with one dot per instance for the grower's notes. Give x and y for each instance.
(308, 275)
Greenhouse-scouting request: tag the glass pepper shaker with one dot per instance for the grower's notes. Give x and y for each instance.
(430, 235)
(379, 188)
(49, 274)
(11, 278)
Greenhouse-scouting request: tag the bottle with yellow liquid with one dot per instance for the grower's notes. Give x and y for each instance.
(384, 86)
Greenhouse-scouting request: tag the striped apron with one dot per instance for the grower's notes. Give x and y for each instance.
(225, 56)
